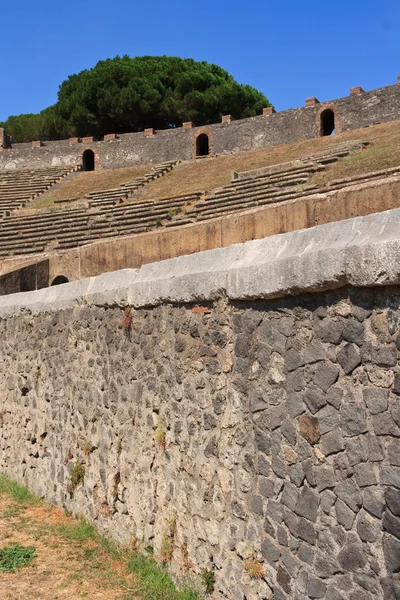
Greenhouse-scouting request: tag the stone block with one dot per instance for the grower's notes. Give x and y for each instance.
(37, 144)
(87, 140)
(348, 491)
(110, 136)
(314, 399)
(353, 419)
(365, 475)
(351, 558)
(316, 588)
(149, 132)
(349, 358)
(309, 428)
(376, 399)
(344, 515)
(227, 119)
(187, 125)
(325, 375)
(73, 140)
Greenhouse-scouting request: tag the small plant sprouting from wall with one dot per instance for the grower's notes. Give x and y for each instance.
(126, 322)
(159, 222)
(77, 477)
(186, 562)
(86, 448)
(254, 567)
(208, 580)
(160, 435)
(168, 541)
(117, 481)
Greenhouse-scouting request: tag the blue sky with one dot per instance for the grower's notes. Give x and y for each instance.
(287, 49)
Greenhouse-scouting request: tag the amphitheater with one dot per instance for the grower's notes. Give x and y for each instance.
(207, 319)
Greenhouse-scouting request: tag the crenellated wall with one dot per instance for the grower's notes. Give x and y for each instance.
(359, 109)
(237, 409)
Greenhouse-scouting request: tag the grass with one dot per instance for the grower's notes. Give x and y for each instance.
(83, 183)
(14, 557)
(51, 550)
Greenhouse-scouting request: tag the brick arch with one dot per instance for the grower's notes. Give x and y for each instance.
(318, 126)
(210, 136)
(97, 164)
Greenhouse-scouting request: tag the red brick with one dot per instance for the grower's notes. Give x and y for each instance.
(354, 91)
(268, 110)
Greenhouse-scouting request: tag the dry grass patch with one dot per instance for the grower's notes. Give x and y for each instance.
(83, 183)
(212, 173)
(71, 560)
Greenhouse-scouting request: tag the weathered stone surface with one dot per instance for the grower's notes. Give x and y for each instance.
(307, 504)
(270, 551)
(315, 399)
(350, 494)
(316, 588)
(351, 558)
(365, 475)
(354, 332)
(376, 399)
(325, 376)
(309, 428)
(344, 515)
(332, 442)
(368, 528)
(353, 419)
(393, 500)
(349, 358)
(384, 425)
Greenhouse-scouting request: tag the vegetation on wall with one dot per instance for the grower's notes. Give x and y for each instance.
(126, 94)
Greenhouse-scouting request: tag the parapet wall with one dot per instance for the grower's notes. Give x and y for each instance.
(238, 409)
(355, 111)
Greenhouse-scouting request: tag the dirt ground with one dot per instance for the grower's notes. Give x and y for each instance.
(62, 568)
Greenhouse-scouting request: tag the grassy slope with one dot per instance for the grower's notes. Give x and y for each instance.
(72, 561)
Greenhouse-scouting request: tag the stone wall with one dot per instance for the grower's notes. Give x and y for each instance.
(225, 411)
(352, 112)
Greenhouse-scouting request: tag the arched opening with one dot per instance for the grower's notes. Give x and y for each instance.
(88, 160)
(327, 122)
(59, 280)
(202, 145)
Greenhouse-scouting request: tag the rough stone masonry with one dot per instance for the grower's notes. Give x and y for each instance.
(237, 410)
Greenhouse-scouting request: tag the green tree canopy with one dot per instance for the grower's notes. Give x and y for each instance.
(126, 94)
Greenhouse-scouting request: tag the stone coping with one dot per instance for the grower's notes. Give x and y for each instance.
(363, 251)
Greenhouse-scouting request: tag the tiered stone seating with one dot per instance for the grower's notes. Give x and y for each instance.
(274, 184)
(68, 228)
(64, 229)
(125, 190)
(19, 187)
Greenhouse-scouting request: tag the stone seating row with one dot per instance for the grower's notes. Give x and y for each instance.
(69, 228)
(17, 188)
(280, 184)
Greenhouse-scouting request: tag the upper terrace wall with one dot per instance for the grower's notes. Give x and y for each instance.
(352, 112)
